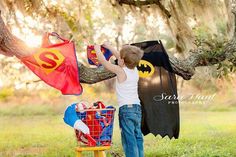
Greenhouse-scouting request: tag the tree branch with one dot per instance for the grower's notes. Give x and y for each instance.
(11, 45)
(93, 75)
(139, 3)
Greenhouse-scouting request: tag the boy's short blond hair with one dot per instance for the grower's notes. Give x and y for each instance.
(131, 55)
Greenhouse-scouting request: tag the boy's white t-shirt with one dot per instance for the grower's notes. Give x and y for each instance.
(127, 91)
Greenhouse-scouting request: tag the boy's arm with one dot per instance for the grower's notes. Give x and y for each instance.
(109, 66)
(112, 49)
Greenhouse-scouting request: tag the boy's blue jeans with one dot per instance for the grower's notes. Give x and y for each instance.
(131, 134)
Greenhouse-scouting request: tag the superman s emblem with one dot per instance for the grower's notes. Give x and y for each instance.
(145, 69)
(49, 59)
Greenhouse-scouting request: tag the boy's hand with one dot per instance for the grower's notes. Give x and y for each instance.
(107, 44)
(100, 56)
(97, 48)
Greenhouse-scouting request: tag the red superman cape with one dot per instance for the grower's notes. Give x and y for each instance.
(56, 65)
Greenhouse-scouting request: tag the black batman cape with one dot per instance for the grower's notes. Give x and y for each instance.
(157, 91)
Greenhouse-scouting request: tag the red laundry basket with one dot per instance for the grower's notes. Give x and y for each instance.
(100, 123)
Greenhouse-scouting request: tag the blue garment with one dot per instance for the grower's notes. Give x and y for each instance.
(131, 134)
(107, 54)
(106, 133)
(107, 130)
(71, 116)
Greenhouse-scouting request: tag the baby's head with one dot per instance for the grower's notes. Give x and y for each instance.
(130, 56)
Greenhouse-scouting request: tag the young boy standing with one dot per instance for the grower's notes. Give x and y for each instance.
(127, 95)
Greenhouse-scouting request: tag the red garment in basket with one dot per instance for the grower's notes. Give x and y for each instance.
(93, 124)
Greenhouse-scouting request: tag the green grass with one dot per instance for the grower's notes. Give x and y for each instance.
(203, 134)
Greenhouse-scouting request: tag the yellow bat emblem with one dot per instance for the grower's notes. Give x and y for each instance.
(145, 69)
